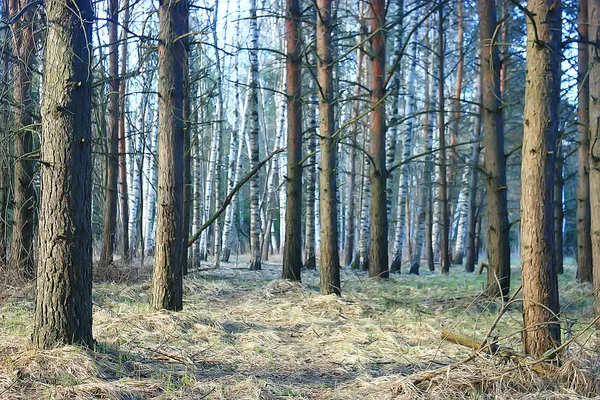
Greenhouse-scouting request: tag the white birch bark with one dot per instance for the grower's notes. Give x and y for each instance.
(406, 153)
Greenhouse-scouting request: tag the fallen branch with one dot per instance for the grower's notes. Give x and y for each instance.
(229, 197)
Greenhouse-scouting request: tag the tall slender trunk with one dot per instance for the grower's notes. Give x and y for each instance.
(406, 153)
(594, 130)
(453, 171)
(63, 309)
(378, 250)
(349, 241)
(152, 190)
(542, 85)
(112, 158)
(425, 198)
(471, 249)
(255, 263)
(392, 131)
(122, 137)
(22, 255)
(310, 261)
(292, 249)
(167, 283)
(219, 127)
(365, 189)
(234, 179)
(445, 220)
(461, 219)
(187, 151)
(558, 209)
(498, 281)
(584, 238)
(329, 260)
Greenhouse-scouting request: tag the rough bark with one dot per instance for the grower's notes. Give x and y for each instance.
(584, 238)
(112, 158)
(22, 256)
(540, 286)
(63, 306)
(167, 285)
(558, 210)
(124, 209)
(329, 260)
(498, 281)
(187, 151)
(594, 130)
(378, 249)
(292, 249)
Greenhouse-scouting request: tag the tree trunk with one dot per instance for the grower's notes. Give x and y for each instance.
(122, 136)
(310, 261)
(594, 124)
(152, 189)
(350, 239)
(406, 153)
(255, 263)
(461, 218)
(540, 288)
(378, 250)
(558, 210)
(22, 256)
(584, 238)
(445, 220)
(187, 149)
(220, 114)
(63, 309)
(471, 250)
(425, 198)
(240, 128)
(365, 231)
(167, 285)
(329, 260)
(498, 281)
(454, 173)
(292, 249)
(112, 158)
(392, 131)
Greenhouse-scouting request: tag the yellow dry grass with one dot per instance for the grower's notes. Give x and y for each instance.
(249, 335)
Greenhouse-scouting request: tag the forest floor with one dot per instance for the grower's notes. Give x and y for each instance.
(248, 335)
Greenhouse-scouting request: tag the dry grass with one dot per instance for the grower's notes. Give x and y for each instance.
(248, 335)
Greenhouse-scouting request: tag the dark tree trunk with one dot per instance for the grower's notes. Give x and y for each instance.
(63, 307)
(378, 249)
(330, 260)
(498, 282)
(167, 281)
(292, 249)
(584, 238)
(187, 168)
(540, 287)
(24, 202)
(112, 159)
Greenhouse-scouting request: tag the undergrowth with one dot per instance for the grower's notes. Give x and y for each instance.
(247, 335)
